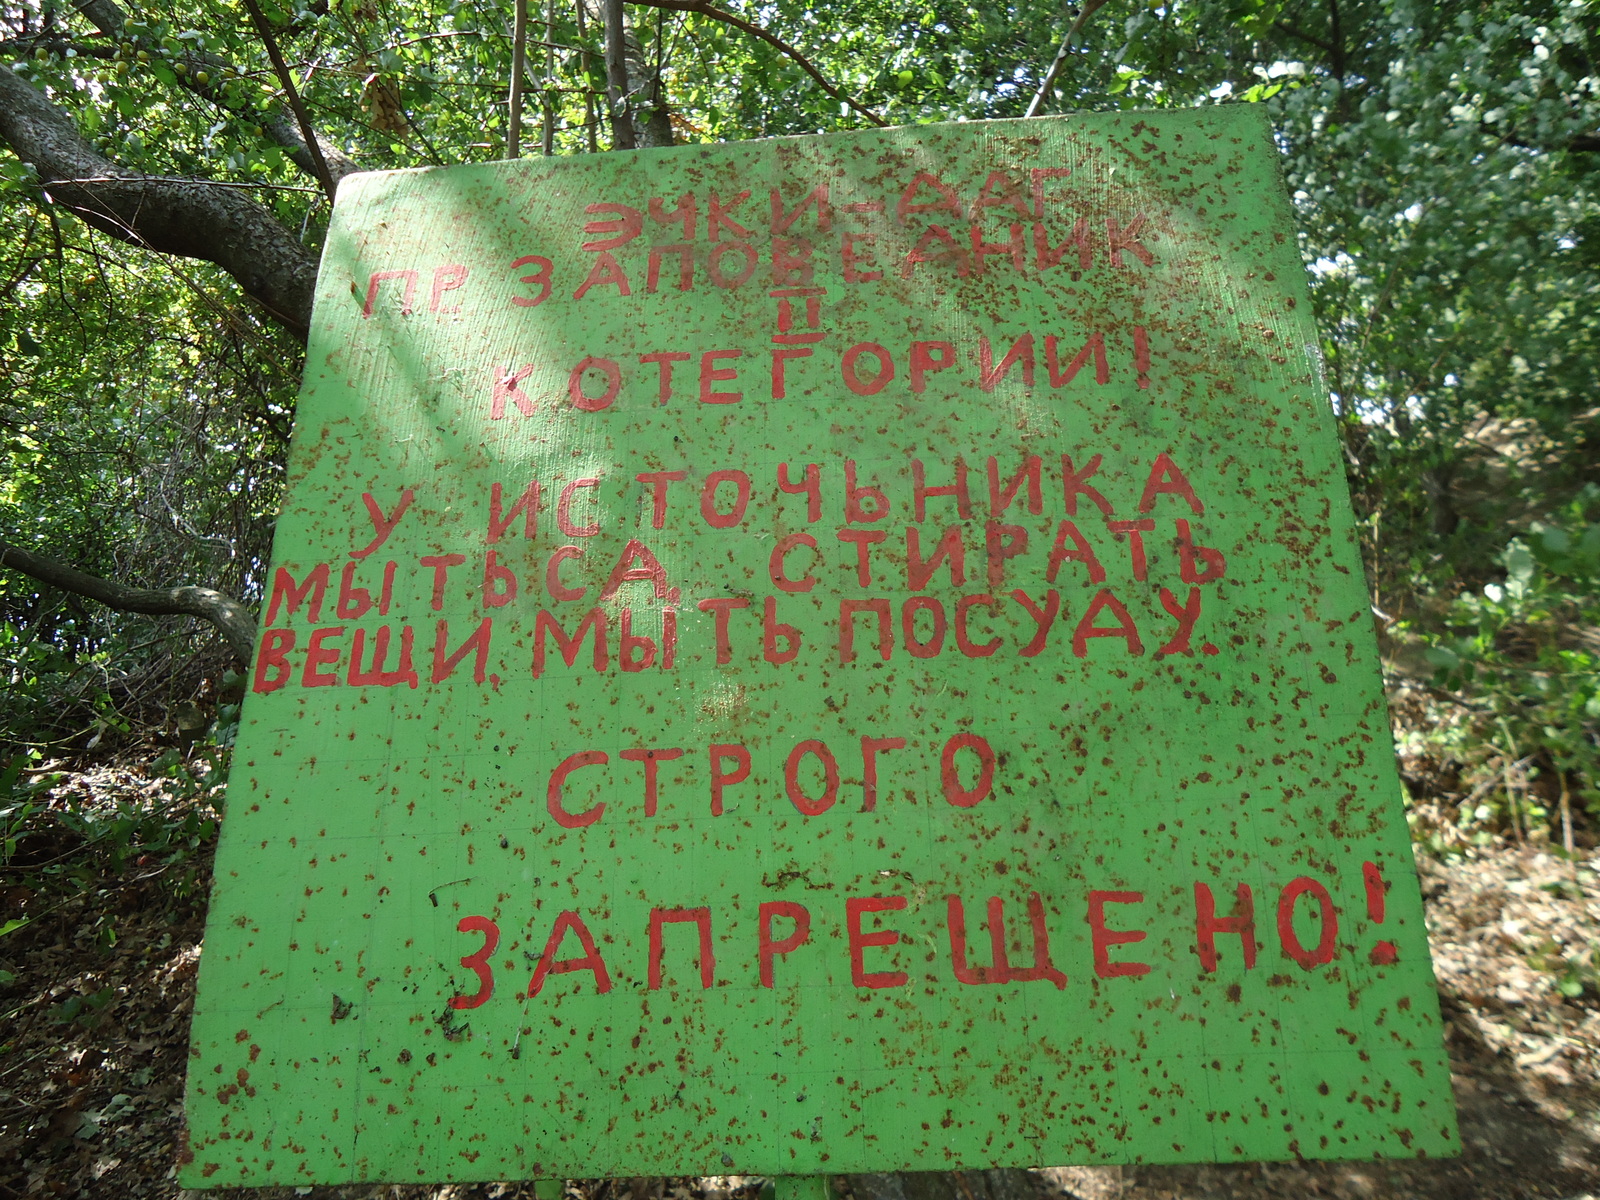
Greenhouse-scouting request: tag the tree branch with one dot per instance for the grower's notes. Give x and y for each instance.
(264, 31)
(1049, 80)
(186, 217)
(1295, 31)
(235, 622)
(716, 14)
(109, 20)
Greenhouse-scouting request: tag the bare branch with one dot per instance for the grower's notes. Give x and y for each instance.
(716, 14)
(233, 620)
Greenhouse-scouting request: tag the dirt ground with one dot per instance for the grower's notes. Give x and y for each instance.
(95, 994)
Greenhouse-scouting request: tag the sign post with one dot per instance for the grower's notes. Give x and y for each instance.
(813, 656)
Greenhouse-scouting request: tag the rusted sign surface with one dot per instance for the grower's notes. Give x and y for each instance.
(810, 656)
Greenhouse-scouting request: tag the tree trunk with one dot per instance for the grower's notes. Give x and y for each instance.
(639, 115)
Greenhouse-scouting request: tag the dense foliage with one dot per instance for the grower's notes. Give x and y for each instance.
(1444, 158)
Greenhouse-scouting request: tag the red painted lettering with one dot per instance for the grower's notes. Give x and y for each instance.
(1167, 480)
(776, 564)
(852, 376)
(951, 549)
(710, 374)
(708, 498)
(441, 564)
(830, 778)
(444, 665)
(652, 760)
(1125, 628)
(540, 278)
(920, 648)
(564, 509)
(554, 800)
(1135, 531)
(1207, 924)
(375, 676)
(722, 780)
(1190, 554)
(863, 539)
(545, 626)
(847, 627)
(810, 484)
(964, 640)
(309, 592)
(1327, 922)
(552, 574)
(1043, 615)
(623, 227)
(957, 490)
(1102, 939)
(506, 387)
(406, 295)
(956, 792)
(591, 960)
(318, 655)
(648, 571)
(1059, 377)
(871, 747)
(701, 918)
(605, 271)
(273, 656)
(767, 949)
(719, 608)
(856, 907)
(382, 525)
(780, 643)
(527, 504)
(855, 512)
(478, 961)
(446, 279)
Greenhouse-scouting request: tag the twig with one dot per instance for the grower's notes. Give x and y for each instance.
(313, 147)
(1049, 80)
(716, 14)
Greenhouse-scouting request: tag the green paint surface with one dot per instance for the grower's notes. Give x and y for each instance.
(1069, 719)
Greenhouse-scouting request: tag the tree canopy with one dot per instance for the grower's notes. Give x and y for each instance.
(167, 181)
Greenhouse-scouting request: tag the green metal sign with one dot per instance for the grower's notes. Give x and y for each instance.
(821, 655)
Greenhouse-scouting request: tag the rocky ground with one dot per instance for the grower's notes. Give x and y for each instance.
(95, 993)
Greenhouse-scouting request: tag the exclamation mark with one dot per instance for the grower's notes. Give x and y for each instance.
(1141, 355)
(1384, 953)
